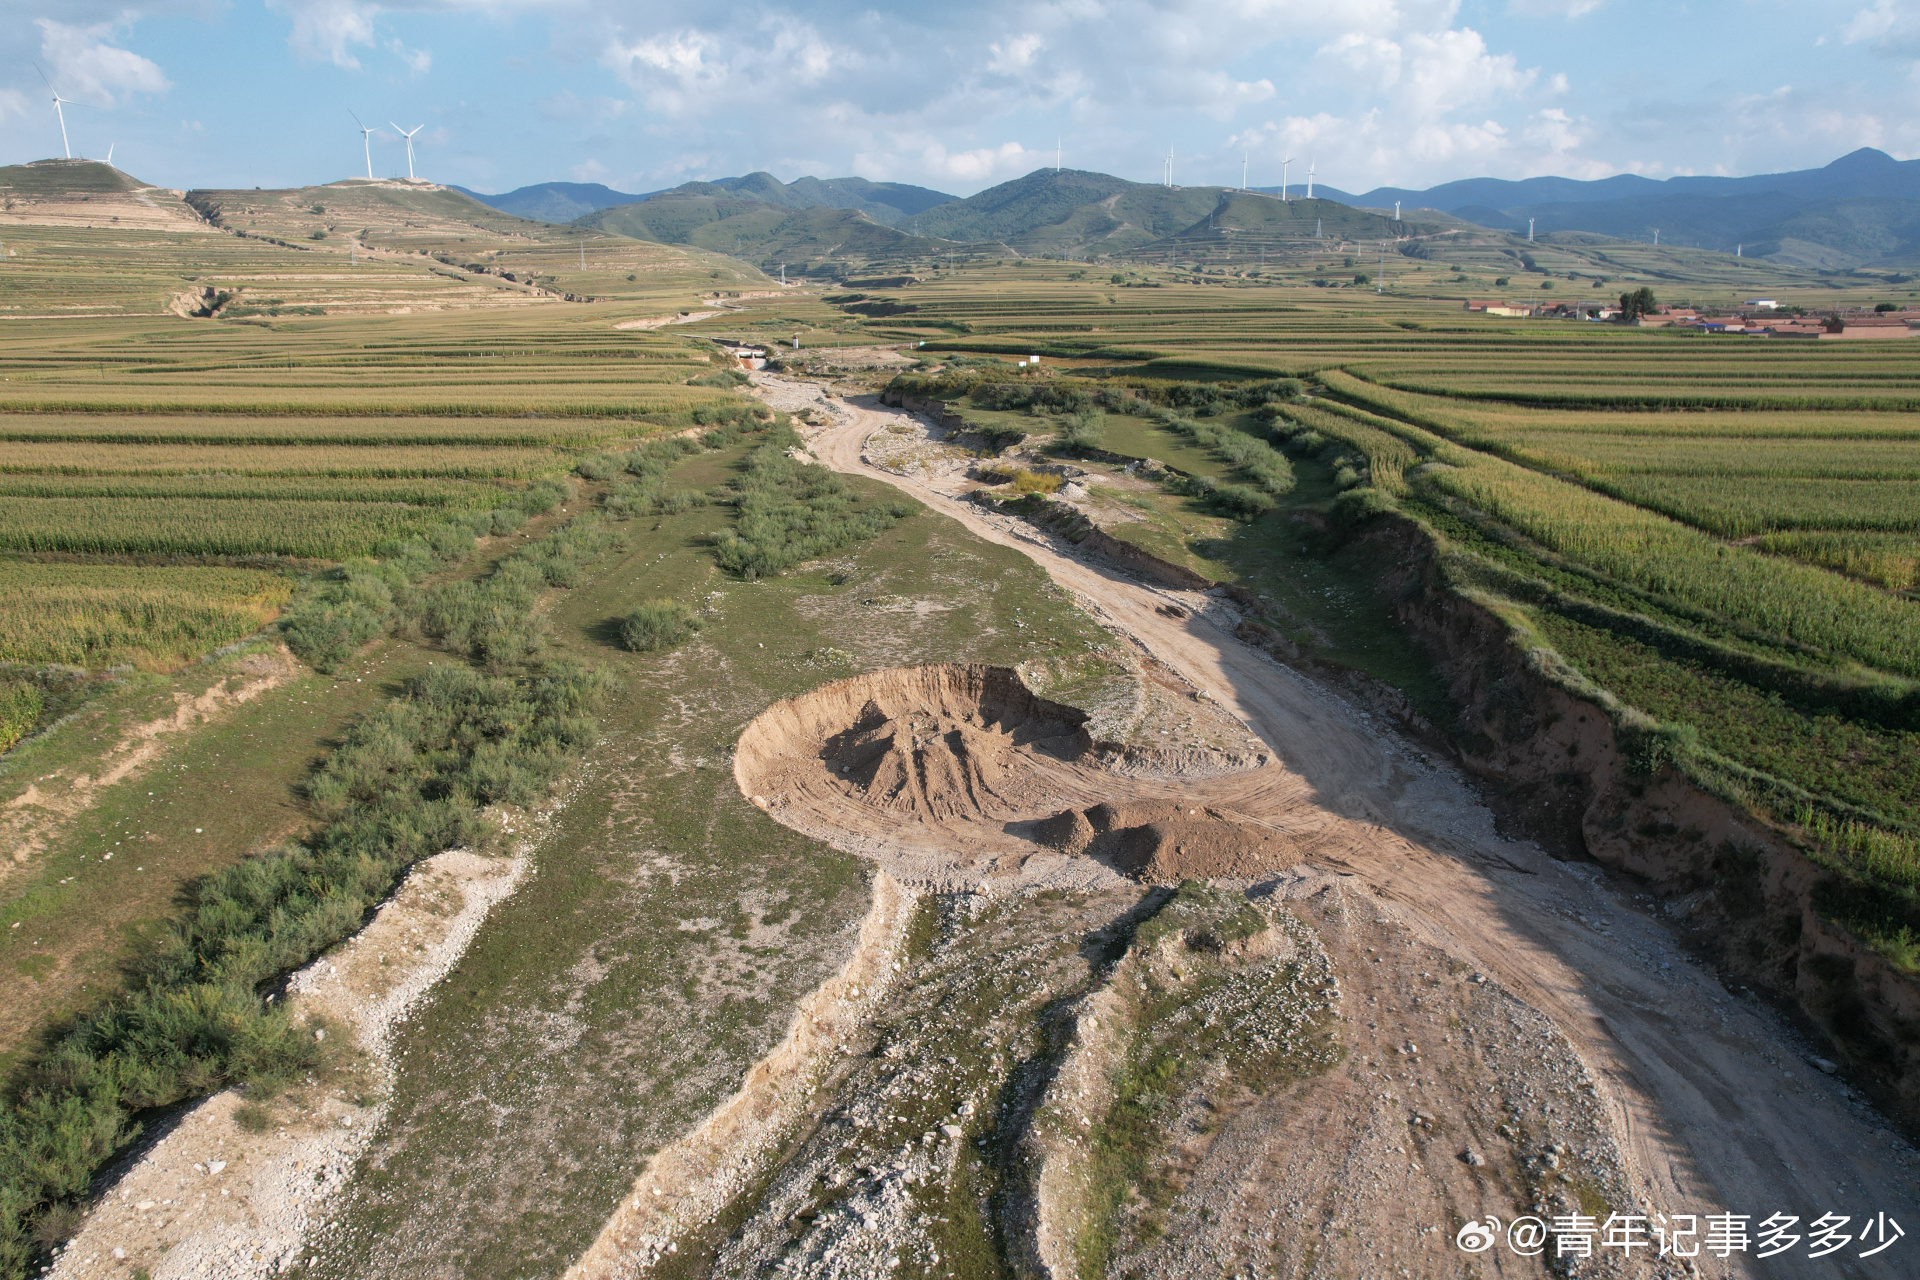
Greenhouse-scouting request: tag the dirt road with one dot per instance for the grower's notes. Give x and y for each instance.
(1711, 1097)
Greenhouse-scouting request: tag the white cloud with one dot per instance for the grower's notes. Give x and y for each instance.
(324, 29)
(1877, 22)
(1553, 8)
(980, 164)
(88, 69)
(419, 61)
(1016, 55)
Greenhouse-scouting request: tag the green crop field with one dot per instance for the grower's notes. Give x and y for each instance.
(97, 615)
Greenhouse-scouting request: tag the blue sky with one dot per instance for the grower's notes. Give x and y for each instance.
(961, 95)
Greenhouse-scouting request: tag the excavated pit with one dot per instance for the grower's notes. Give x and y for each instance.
(949, 772)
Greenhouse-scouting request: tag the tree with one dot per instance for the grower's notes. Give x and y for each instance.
(1835, 324)
(1636, 303)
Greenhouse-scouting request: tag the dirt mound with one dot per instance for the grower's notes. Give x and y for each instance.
(1160, 841)
(931, 744)
(947, 770)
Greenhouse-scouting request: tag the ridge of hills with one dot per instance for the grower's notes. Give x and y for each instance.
(1066, 213)
(884, 202)
(80, 193)
(1862, 210)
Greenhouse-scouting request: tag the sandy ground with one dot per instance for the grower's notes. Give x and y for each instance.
(1708, 1102)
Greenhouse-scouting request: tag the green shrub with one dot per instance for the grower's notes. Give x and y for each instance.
(1359, 505)
(1242, 501)
(999, 436)
(1086, 433)
(658, 624)
(788, 513)
(541, 496)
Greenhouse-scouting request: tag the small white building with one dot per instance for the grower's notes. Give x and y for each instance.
(1765, 304)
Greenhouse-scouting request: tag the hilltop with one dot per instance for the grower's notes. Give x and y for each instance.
(89, 193)
(392, 212)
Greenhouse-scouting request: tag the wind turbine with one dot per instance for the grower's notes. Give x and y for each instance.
(366, 142)
(1283, 178)
(110, 147)
(1243, 170)
(409, 137)
(1310, 168)
(57, 102)
(1169, 180)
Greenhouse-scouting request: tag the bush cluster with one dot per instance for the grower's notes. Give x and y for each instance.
(492, 620)
(1040, 397)
(363, 597)
(658, 624)
(726, 379)
(789, 512)
(1255, 459)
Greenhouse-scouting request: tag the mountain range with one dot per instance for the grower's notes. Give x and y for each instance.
(1861, 210)
(1047, 213)
(884, 202)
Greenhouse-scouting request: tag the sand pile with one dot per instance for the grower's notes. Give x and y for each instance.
(1160, 841)
(959, 766)
(941, 743)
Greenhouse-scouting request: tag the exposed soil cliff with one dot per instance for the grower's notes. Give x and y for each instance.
(1736, 884)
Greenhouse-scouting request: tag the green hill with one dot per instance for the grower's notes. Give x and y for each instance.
(1071, 213)
(816, 239)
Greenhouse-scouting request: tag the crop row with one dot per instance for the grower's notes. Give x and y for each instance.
(237, 429)
(1890, 560)
(398, 461)
(1662, 556)
(1741, 506)
(205, 527)
(102, 615)
(414, 492)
